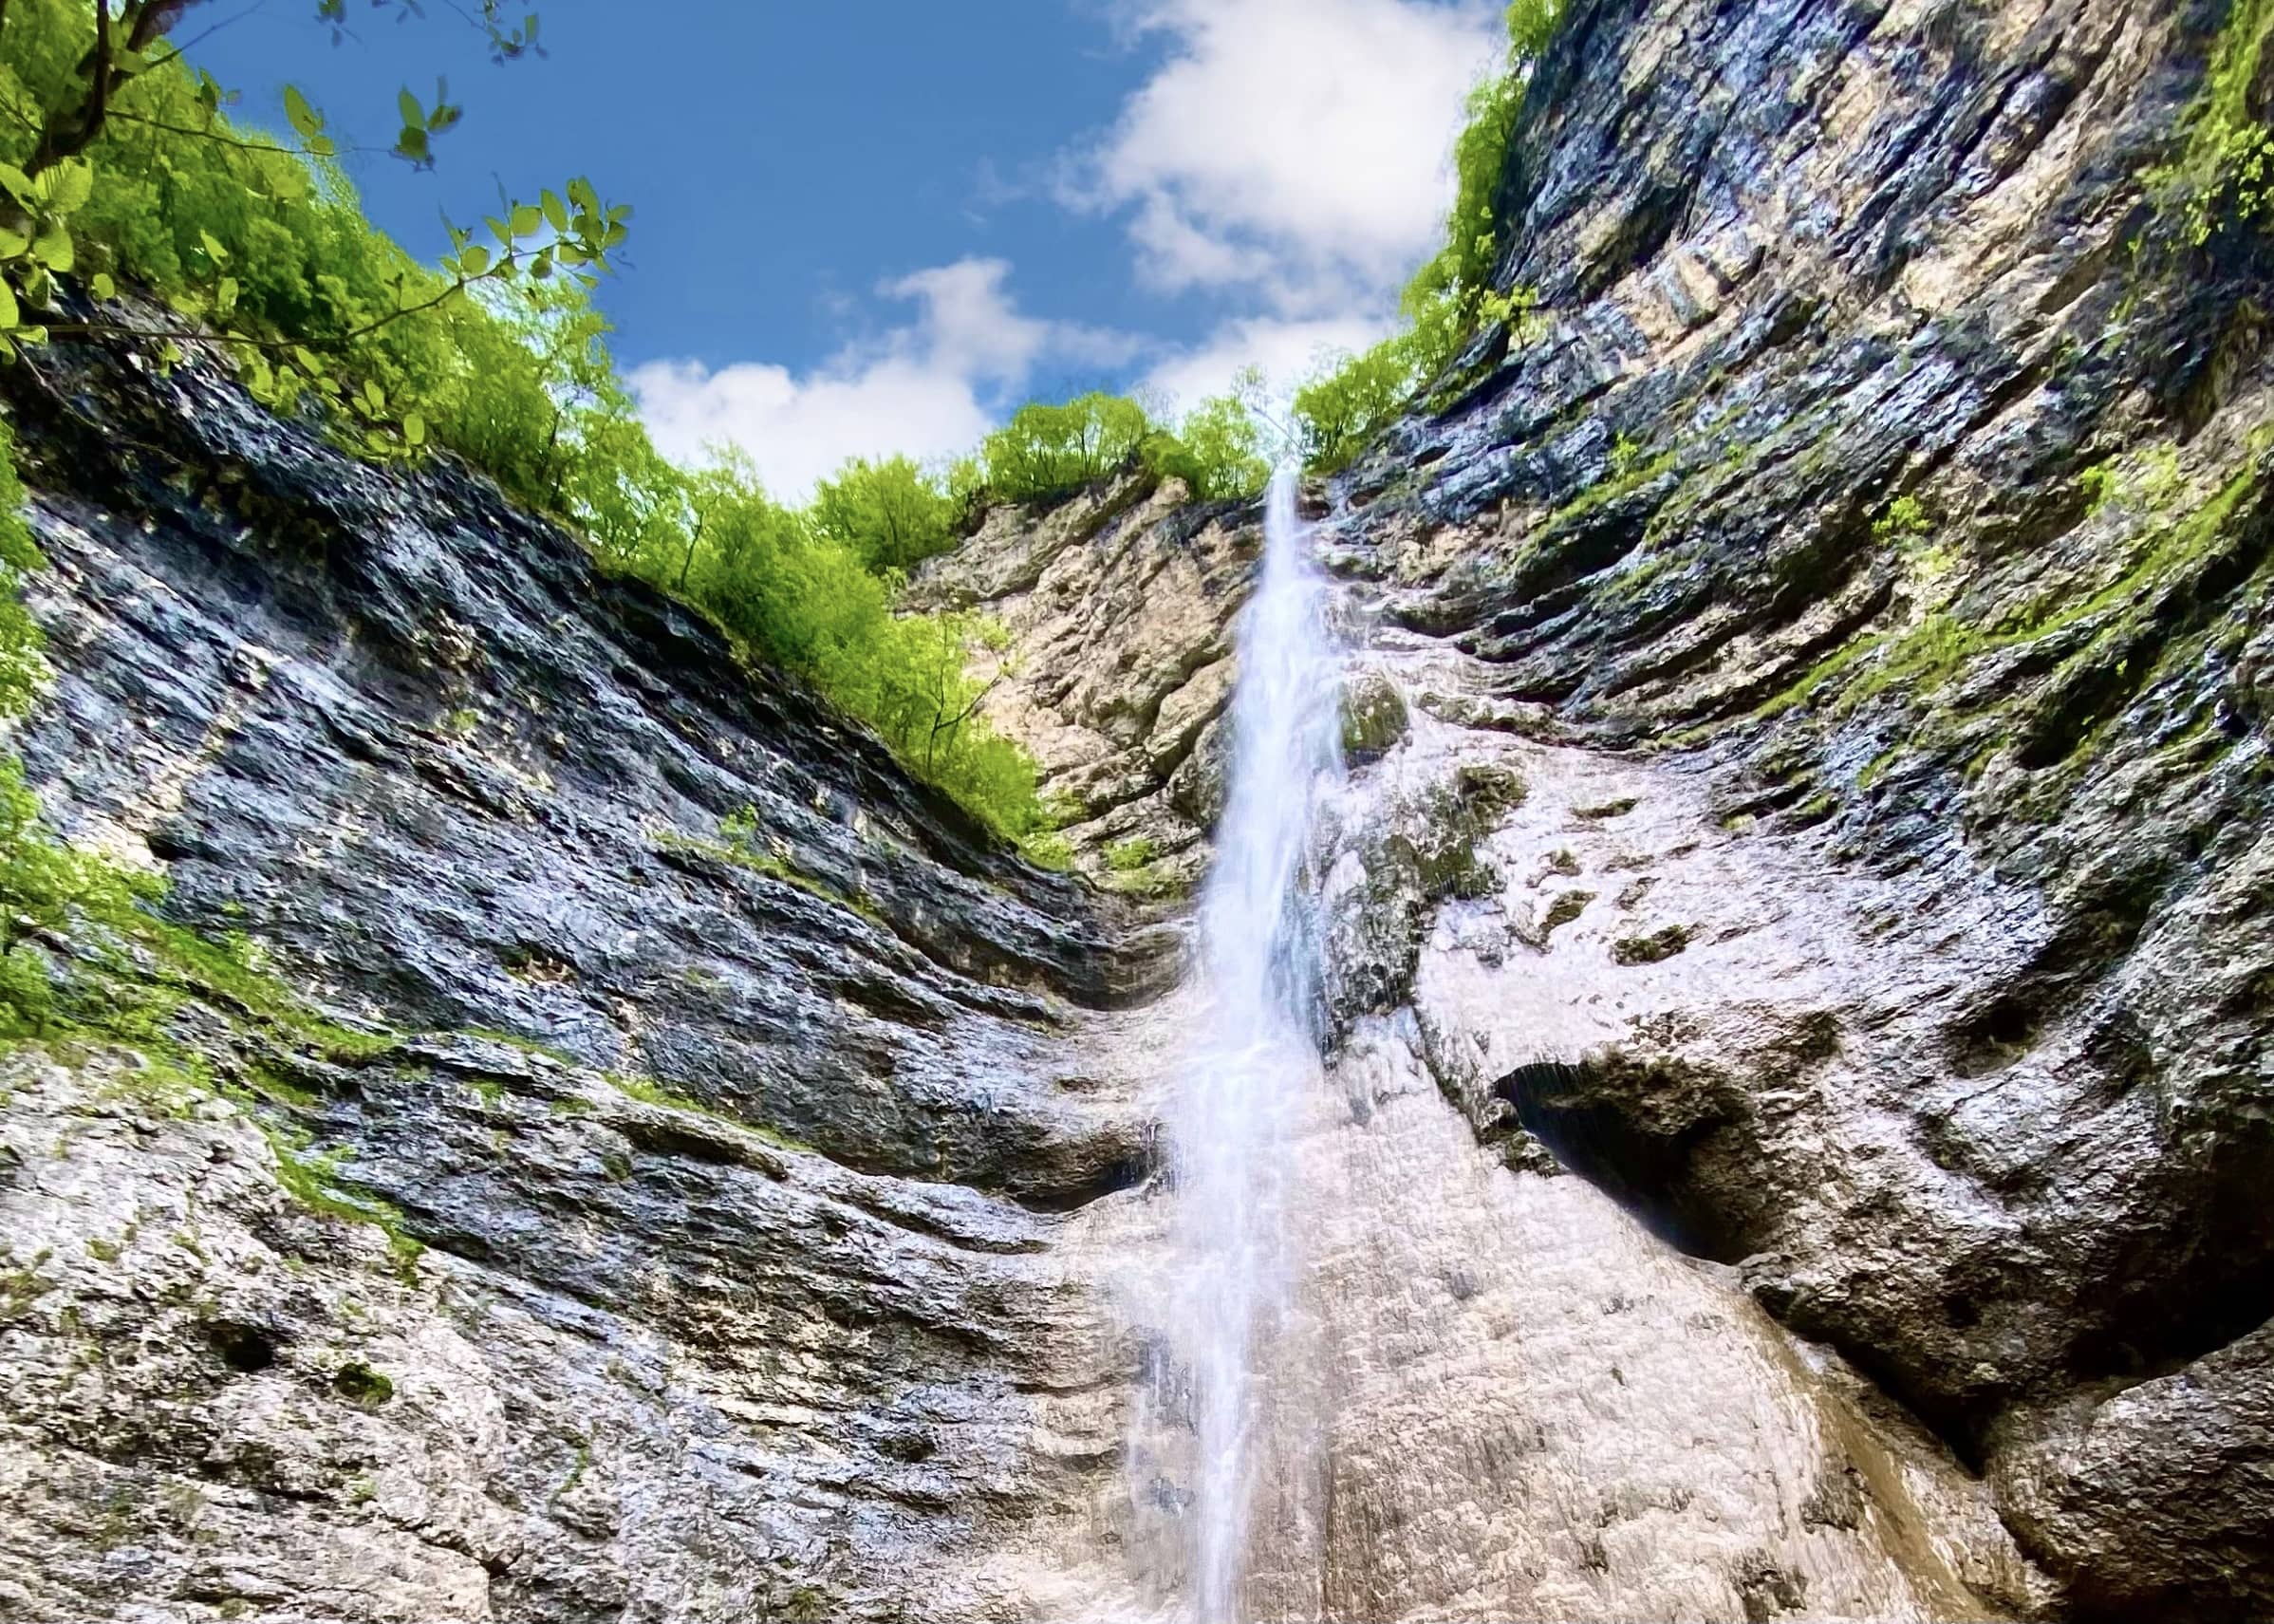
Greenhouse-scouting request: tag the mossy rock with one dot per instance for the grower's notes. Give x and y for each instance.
(1373, 719)
(359, 1384)
(1651, 949)
(1488, 789)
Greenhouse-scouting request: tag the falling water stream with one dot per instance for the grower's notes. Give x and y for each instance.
(1256, 1049)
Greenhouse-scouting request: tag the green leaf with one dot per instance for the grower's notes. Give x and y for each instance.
(473, 262)
(411, 144)
(225, 295)
(526, 219)
(414, 428)
(12, 243)
(414, 115)
(53, 248)
(499, 230)
(213, 251)
(10, 312)
(17, 183)
(304, 119)
(321, 146)
(74, 185)
(102, 286)
(556, 212)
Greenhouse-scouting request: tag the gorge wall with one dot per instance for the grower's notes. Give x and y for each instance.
(727, 1080)
(1856, 578)
(1810, 789)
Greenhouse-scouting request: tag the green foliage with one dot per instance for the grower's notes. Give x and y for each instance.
(1045, 452)
(360, 1384)
(889, 514)
(2224, 176)
(1532, 26)
(2148, 481)
(1046, 847)
(1353, 396)
(1906, 516)
(1218, 449)
(21, 669)
(793, 595)
(44, 886)
(1345, 407)
(1125, 856)
(1464, 265)
(499, 357)
(42, 882)
(648, 1091)
(243, 236)
(35, 243)
(318, 1184)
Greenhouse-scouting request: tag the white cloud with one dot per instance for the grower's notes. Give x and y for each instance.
(1287, 351)
(1297, 149)
(1290, 158)
(925, 389)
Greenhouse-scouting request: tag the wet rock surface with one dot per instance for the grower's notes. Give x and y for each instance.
(715, 1172)
(1864, 567)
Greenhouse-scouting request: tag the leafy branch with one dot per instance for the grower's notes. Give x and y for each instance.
(568, 234)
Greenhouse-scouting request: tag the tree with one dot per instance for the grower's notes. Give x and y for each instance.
(1218, 448)
(1048, 451)
(890, 513)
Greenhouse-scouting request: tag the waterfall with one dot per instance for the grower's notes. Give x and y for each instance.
(1255, 1050)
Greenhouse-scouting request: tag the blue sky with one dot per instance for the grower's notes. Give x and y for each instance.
(878, 224)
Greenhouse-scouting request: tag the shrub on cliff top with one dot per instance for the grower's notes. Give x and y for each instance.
(1218, 449)
(1046, 451)
(890, 513)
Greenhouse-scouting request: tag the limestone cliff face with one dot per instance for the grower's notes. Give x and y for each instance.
(1877, 549)
(734, 1159)
(1119, 604)
(1810, 787)
(1835, 812)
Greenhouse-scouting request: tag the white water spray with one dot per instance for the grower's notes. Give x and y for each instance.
(1256, 1052)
